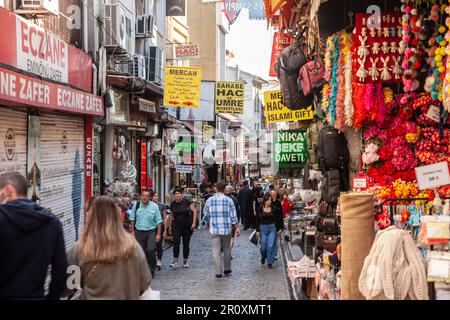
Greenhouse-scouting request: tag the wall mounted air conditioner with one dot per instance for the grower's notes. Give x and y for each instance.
(144, 26)
(154, 64)
(116, 28)
(40, 7)
(138, 66)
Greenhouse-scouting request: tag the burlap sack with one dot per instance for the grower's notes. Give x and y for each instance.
(357, 236)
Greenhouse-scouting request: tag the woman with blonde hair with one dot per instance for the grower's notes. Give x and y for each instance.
(112, 263)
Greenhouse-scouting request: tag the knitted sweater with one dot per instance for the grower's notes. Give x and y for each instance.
(394, 268)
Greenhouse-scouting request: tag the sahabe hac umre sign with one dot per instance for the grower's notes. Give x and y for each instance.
(290, 148)
(229, 97)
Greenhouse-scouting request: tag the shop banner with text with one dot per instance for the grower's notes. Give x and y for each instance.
(89, 165)
(20, 89)
(290, 148)
(229, 97)
(182, 87)
(31, 48)
(280, 42)
(276, 111)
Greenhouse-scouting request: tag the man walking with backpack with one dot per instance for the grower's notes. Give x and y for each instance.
(31, 239)
(146, 226)
(220, 213)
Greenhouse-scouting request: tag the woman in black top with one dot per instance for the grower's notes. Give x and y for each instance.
(278, 214)
(266, 228)
(181, 225)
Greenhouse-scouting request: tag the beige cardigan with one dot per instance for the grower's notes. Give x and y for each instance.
(122, 280)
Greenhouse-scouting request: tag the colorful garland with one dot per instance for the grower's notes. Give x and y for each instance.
(334, 80)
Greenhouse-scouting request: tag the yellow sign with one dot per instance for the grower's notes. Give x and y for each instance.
(208, 132)
(229, 97)
(182, 87)
(278, 112)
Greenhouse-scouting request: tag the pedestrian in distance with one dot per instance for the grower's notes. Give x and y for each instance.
(245, 198)
(183, 215)
(146, 226)
(258, 196)
(278, 215)
(229, 190)
(267, 231)
(31, 239)
(221, 217)
(112, 263)
(163, 211)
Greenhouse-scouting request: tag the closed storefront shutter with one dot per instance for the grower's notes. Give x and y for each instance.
(13, 140)
(62, 161)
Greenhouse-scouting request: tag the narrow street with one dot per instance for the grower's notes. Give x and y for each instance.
(249, 279)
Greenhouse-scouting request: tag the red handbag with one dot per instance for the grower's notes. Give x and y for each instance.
(312, 76)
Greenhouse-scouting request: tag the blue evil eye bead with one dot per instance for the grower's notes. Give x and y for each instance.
(439, 38)
(434, 95)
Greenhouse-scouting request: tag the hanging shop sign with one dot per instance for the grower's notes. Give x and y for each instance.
(276, 111)
(229, 97)
(147, 106)
(24, 90)
(280, 42)
(175, 8)
(143, 165)
(30, 48)
(183, 169)
(207, 132)
(182, 87)
(433, 176)
(187, 51)
(89, 159)
(290, 148)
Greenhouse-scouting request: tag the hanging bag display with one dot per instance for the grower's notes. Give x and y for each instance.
(312, 73)
(332, 150)
(287, 67)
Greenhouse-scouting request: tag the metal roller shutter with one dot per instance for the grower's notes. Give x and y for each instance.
(62, 162)
(13, 140)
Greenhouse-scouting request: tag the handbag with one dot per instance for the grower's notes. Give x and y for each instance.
(253, 237)
(327, 242)
(150, 294)
(329, 225)
(312, 74)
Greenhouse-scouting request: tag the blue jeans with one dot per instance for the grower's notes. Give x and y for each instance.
(268, 237)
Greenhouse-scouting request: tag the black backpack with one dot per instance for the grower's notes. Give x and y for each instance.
(287, 67)
(332, 150)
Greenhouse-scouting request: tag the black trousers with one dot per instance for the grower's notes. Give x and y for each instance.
(159, 250)
(148, 243)
(181, 233)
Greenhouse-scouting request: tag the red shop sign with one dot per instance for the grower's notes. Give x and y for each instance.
(143, 165)
(20, 89)
(279, 44)
(31, 48)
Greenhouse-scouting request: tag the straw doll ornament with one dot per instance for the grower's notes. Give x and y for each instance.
(385, 47)
(363, 49)
(394, 47)
(362, 72)
(376, 48)
(373, 71)
(385, 75)
(396, 69)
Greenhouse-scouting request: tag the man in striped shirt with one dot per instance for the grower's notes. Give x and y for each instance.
(221, 217)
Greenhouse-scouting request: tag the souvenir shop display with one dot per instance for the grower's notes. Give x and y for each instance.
(387, 79)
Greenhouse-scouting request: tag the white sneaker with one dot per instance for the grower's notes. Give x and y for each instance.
(185, 265)
(174, 265)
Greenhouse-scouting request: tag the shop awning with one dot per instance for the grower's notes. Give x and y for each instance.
(272, 6)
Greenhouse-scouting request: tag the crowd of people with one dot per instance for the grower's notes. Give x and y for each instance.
(116, 262)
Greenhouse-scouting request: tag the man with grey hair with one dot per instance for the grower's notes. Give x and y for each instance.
(220, 213)
(31, 239)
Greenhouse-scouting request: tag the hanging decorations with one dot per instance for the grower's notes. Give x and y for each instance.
(376, 48)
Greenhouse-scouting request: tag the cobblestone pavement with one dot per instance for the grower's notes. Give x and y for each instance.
(249, 279)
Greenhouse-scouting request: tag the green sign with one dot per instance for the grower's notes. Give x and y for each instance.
(290, 148)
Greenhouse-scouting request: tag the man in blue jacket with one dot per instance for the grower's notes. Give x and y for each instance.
(31, 239)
